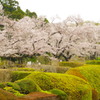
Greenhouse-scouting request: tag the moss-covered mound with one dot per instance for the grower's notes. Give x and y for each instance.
(75, 87)
(4, 95)
(90, 73)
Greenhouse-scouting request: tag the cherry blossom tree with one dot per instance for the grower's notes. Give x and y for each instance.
(32, 36)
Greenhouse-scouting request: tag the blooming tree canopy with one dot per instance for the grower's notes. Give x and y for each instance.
(31, 36)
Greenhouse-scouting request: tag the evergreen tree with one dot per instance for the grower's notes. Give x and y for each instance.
(12, 9)
(31, 14)
(17, 14)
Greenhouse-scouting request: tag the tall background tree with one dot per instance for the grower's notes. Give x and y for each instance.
(31, 14)
(12, 10)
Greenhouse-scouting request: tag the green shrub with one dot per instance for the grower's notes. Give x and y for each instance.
(13, 85)
(2, 85)
(27, 86)
(44, 59)
(71, 64)
(1, 27)
(23, 69)
(98, 58)
(93, 62)
(3, 64)
(61, 69)
(75, 87)
(32, 59)
(48, 92)
(16, 75)
(90, 73)
(10, 89)
(61, 94)
(9, 84)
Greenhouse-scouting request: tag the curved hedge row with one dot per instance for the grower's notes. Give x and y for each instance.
(90, 73)
(75, 87)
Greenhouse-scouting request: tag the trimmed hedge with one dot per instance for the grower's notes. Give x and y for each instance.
(17, 75)
(27, 86)
(93, 62)
(61, 94)
(15, 92)
(23, 69)
(90, 73)
(75, 87)
(2, 85)
(13, 85)
(70, 64)
(9, 84)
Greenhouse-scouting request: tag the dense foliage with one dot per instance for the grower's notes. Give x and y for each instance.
(13, 10)
(82, 84)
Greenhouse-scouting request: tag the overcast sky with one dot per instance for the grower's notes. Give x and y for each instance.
(87, 9)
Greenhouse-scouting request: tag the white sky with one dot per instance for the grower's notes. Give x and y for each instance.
(87, 9)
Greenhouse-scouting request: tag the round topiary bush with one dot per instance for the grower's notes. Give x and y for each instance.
(27, 86)
(75, 87)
